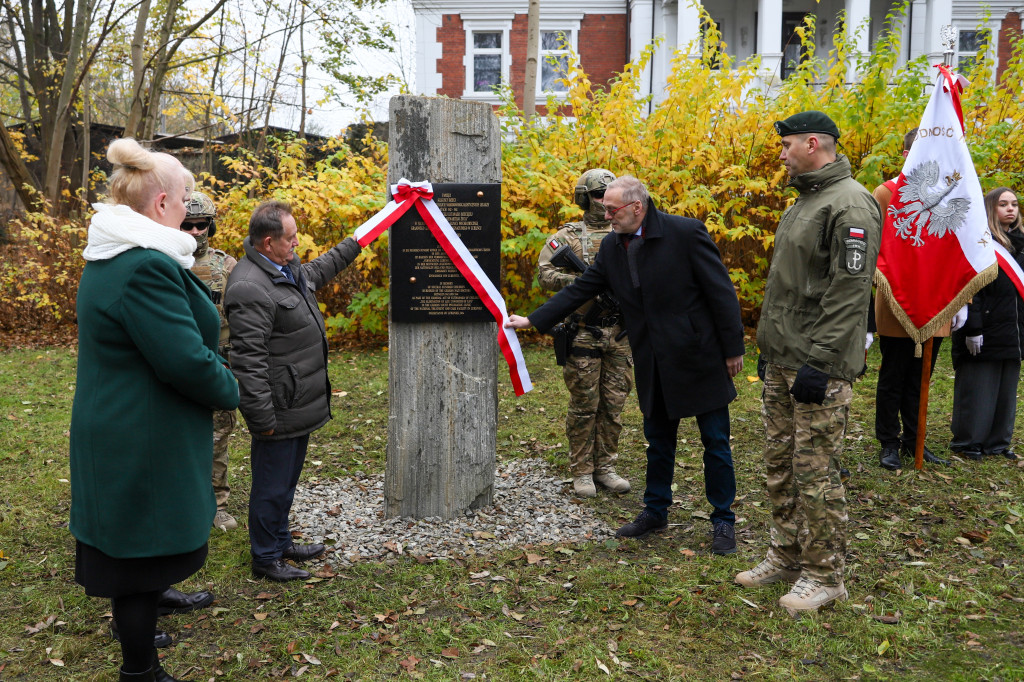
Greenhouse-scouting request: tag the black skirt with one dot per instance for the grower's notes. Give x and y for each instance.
(105, 576)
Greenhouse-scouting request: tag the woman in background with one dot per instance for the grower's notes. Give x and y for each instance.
(148, 381)
(987, 351)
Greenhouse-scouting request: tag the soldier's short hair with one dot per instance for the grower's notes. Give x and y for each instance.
(266, 220)
(632, 189)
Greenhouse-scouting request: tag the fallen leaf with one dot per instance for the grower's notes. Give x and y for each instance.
(602, 667)
(975, 536)
(533, 558)
(410, 663)
(753, 379)
(883, 647)
(450, 652)
(57, 662)
(260, 616)
(292, 646)
(887, 619)
(629, 602)
(311, 659)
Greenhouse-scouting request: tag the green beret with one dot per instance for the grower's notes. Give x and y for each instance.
(807, 122)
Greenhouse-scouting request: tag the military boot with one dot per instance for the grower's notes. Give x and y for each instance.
(612, 481)
(811, 595)
(584, 486)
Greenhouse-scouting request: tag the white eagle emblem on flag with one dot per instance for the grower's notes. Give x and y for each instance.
(922, 205)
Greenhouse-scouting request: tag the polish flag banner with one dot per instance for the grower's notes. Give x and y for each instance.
(936, 249)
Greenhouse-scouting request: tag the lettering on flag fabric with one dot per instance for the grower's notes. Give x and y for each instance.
(936, 250)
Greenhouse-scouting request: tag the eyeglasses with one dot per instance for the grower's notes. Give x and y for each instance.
(201, 225)
(612, 211)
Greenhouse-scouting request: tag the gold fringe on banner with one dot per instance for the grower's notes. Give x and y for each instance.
(977, 283)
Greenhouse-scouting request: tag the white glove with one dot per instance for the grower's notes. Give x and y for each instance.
(974, 344)
(870, 339)
(959, 320)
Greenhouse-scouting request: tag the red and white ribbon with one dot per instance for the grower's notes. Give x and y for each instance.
(1008, 264)
(421, 194)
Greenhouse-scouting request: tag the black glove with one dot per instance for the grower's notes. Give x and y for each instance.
(809, 386)
(762, 366)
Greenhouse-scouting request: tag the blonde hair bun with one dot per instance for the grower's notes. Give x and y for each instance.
(127, 152)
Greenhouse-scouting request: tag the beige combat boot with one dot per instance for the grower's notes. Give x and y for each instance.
(224, 521)
(584, 485)
(612, 481)
(766, 573)
(811, 595)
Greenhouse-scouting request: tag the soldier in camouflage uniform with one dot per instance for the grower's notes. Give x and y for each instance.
(598, 370)
(213, 266)
(811, 336)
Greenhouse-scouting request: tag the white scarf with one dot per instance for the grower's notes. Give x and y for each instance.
(116, 228)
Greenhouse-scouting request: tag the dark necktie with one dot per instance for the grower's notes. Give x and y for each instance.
(287, 271)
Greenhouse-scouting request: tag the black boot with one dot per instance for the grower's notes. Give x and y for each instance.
(159, 674)
(136, 677)
(160, 638)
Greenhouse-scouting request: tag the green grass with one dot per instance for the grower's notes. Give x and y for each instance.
(659, 609)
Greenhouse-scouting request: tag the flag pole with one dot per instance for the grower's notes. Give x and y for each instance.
(948, 37)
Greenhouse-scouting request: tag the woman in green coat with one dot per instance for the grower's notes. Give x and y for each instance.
(149, 379)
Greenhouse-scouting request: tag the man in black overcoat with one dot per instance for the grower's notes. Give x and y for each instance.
(683, 319)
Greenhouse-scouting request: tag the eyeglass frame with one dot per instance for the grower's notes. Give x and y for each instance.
(613, 212)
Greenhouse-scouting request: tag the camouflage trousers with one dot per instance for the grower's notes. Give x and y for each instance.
(224, 422)
(803, 444)
(598, 387)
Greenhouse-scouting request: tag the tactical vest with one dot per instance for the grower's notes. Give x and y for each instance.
(211, 268)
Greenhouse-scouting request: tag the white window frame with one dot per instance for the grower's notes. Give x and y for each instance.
(993, 37)
(471, 27)
(571, 29)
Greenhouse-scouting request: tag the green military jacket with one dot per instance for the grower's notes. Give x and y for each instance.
(819, 286)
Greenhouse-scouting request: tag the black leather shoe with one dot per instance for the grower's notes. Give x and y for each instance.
(1009, 454)
(929, 456)
(135, 677)
(724, 541)
(645, 523)
(889, 459)
(279, 571)
(175, 601)
(161, 675)
(160, 639)
(971, 454)
(303, 552)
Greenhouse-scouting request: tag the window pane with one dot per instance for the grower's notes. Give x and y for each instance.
(965, 65)
(551, 70)
(486, 72)
(552, 40)
(486, 40)
(971, 41)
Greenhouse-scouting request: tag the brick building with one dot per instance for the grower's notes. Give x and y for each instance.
(466, 47)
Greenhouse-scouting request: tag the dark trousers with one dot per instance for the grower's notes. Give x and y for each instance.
(984, 405)
(898, 392)
(276, 465)
(719, 477)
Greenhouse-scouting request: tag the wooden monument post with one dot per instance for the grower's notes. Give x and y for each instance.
(442, 424)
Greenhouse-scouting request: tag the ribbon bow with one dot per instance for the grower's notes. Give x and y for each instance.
(406, 190)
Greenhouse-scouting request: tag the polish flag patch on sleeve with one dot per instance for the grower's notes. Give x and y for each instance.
(857, 232)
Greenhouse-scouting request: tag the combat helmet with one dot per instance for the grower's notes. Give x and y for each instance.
(594, 180)
(201, 206)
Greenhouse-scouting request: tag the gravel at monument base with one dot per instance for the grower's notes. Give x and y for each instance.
(531, 507)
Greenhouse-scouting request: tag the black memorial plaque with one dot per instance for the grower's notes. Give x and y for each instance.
(425, 284)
